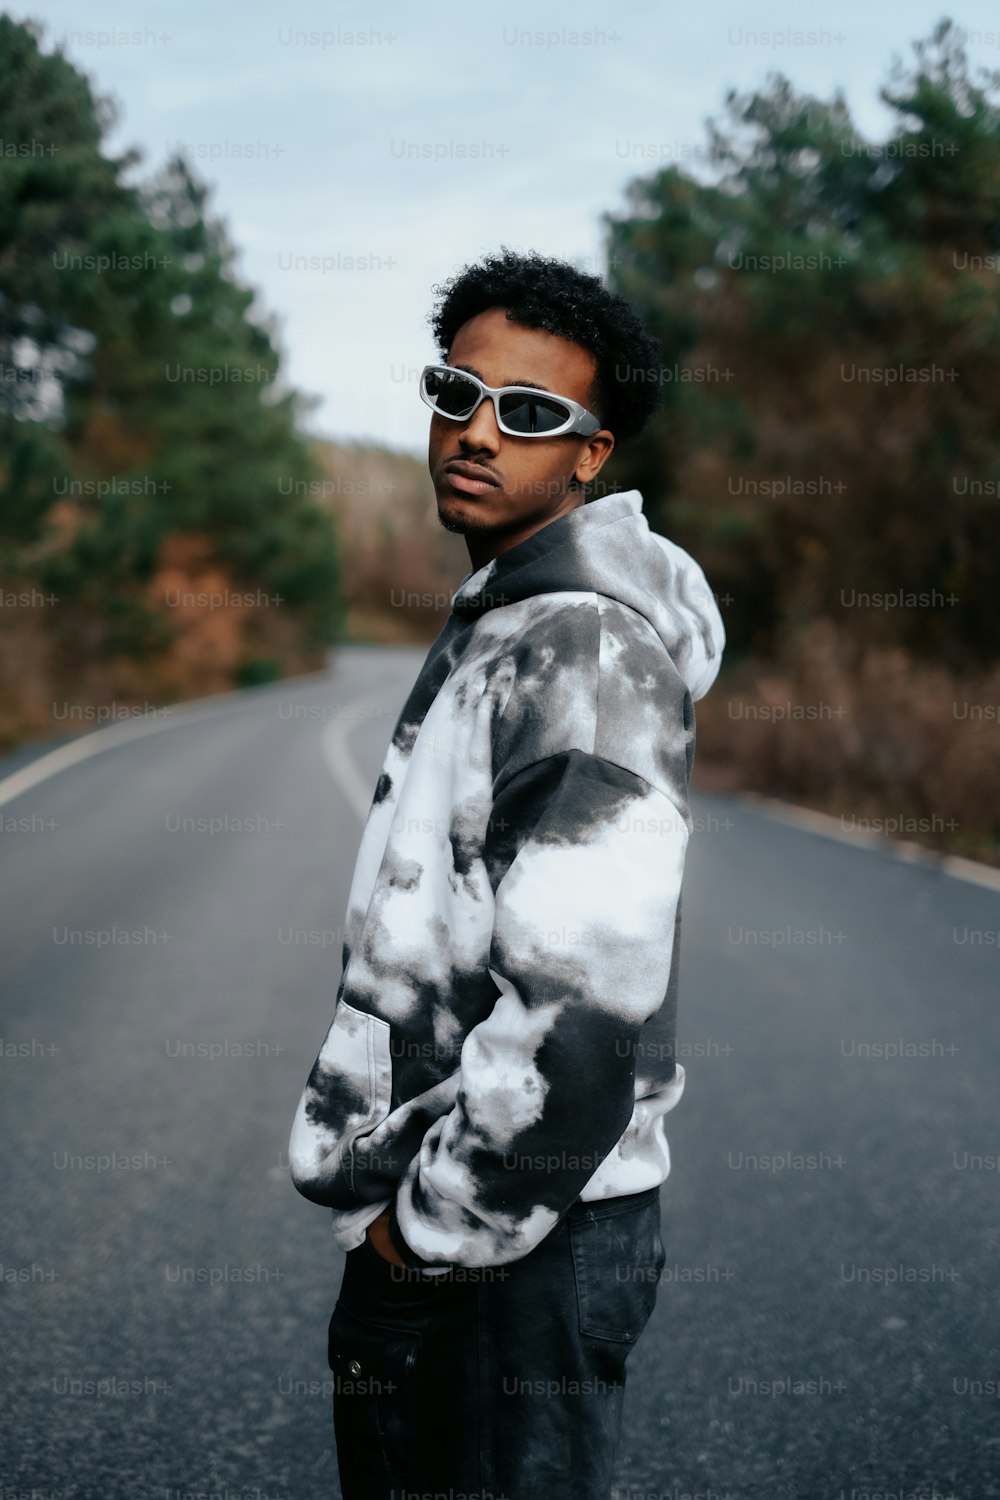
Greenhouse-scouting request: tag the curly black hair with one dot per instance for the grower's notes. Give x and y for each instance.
(552, 295)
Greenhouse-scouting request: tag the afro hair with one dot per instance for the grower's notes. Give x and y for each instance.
(552, 295)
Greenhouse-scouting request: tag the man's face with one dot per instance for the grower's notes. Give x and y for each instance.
(525, 482)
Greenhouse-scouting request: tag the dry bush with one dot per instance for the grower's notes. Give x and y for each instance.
(400, 567)
(872, 737)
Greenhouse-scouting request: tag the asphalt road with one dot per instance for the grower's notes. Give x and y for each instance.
(827, 1325)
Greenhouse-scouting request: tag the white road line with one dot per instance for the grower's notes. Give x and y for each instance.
(971, 869)
(357, 789)
(358, 792)
(827, 826)
(218, 706)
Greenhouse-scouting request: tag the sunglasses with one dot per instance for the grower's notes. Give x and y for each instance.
(521, 410)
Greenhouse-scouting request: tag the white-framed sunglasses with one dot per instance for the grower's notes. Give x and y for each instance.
(521, 410)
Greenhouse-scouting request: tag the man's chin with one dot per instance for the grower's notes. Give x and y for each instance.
(461, 515)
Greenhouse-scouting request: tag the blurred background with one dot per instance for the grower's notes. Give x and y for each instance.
(218, 245)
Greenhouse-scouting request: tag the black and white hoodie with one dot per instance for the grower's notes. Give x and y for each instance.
(504, 1033)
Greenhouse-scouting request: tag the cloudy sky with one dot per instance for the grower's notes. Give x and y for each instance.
(361, 153)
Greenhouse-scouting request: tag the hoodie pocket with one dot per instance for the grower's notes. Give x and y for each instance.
(348, 1095)
(359, 1043)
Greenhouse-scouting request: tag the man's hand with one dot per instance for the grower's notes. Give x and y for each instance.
(378, 1237)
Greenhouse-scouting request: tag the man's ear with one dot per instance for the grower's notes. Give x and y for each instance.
(594, 455)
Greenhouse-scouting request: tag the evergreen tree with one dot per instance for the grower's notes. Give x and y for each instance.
(829, 314)
(140, 399)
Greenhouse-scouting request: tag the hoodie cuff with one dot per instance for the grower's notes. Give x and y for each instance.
(411, 1257)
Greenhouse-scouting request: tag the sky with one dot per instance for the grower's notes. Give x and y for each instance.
(359, 154)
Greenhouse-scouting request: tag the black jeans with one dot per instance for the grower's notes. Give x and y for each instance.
(502, 1383)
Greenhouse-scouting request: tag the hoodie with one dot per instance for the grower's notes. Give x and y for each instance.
(503, 1038)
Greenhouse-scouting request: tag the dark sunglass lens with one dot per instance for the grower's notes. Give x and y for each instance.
(454, 395)
(527, 414)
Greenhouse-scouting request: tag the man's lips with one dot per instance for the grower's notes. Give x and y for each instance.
(469, 479)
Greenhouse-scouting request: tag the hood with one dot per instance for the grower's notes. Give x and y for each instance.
(606, 547)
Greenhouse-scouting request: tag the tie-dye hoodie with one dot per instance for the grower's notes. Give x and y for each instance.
(503, 1038)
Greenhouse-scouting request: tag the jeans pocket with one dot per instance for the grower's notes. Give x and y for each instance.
(618, 1258)
(374, 1369)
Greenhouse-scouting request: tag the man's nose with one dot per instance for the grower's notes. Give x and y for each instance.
(481, 431)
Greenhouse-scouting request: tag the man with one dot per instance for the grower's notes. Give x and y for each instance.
(485, 1116)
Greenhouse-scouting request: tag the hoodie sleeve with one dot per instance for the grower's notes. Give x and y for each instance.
(588, 859)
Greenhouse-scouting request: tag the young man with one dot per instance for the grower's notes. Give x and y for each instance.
(485, 1116)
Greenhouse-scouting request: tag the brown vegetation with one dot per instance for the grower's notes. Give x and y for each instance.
(400, 567)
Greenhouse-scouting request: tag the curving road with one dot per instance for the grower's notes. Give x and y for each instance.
(172, 909)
